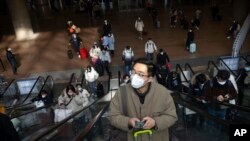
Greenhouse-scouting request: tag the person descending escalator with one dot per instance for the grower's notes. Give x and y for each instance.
(42, 99)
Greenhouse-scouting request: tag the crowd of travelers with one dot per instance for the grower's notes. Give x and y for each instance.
(138, 77)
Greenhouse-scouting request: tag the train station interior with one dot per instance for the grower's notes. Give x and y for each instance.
(37, 33)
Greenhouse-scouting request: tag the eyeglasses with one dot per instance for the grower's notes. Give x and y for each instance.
(141, 74)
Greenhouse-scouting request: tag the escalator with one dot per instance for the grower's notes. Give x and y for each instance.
(234, 65)
(21, 91)
(194, 123)
(72, 125)
(30, 106)
(212, 70)
(4, 86)
(193, 120)
(28, 118)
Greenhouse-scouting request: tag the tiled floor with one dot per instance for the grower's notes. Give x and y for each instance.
(48, 51)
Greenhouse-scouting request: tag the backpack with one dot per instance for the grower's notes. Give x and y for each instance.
(127, 54)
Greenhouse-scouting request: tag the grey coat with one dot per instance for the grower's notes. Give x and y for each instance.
(158, 104)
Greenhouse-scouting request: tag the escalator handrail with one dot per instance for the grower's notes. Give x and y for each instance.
(34, 110)
(243, 108)
(47, 78)
(244, 58)
(40, 77)
(247, 56)
(12, 108)
(178, 66)
(91, 124)
(202, 112)
(220, 59)
(83, 78)
(5, 90)
(18, 106)
(187, 65)
(109, 83)
(212, 62)
(119, 78)
(73, 75)
(54, 127)
(22, 103)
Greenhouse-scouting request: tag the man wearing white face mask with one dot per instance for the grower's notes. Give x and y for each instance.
(162, 58)
(147, 102)
(219, 89)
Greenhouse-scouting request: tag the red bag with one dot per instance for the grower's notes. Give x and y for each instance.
(84, 53)
(169, 66)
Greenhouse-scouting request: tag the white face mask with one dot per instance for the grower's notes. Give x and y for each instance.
(126, 80)
(247, 68)
(161, 53)
(136, 81)
(70, 93)
(79, 89)
(222, 83)
(43, 96)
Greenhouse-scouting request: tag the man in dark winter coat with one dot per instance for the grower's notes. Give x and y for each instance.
(12, 60)
(190, 38)
(162, 58)
(76, 42)
(106, 28)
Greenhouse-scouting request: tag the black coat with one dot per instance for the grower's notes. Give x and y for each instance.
(11, 57)
(162, 59)
(7, 130)
(106, 29)
(46, 100)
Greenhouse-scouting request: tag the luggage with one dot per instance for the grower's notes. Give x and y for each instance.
(192, 48)
(158, 24)
(61, 114)
(141, 132)
(78, 30)
(70, 53)
(84, 53)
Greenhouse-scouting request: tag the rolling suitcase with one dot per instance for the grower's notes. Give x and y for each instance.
(192, 48)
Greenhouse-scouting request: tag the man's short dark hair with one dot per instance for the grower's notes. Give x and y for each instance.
(223, 74)
(149, 64)
(127, 47)
(201, 78)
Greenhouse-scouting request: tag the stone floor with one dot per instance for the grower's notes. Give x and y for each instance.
(48, 51)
